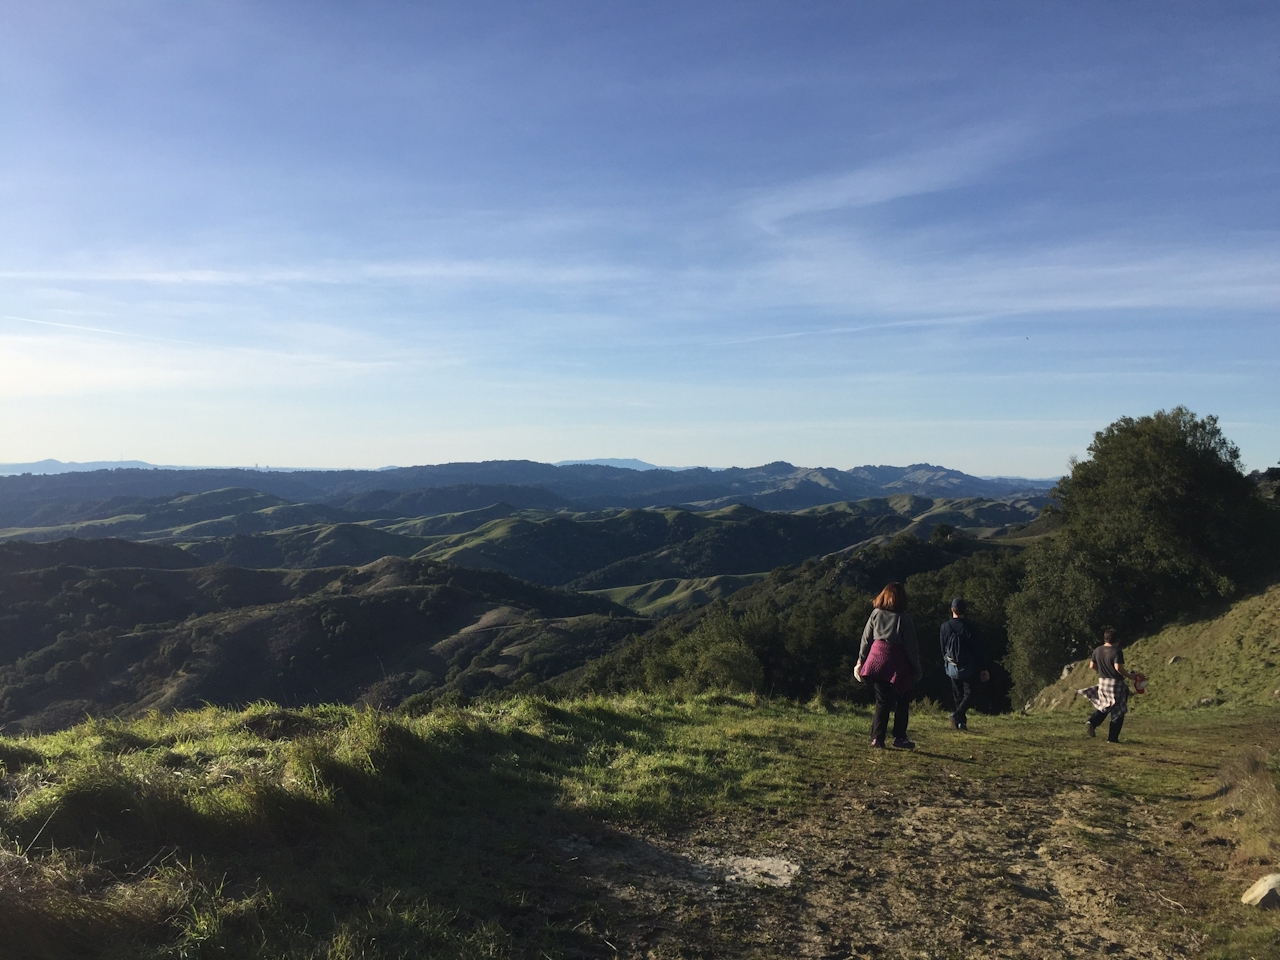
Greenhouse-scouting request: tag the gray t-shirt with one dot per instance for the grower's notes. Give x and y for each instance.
(1105, 659)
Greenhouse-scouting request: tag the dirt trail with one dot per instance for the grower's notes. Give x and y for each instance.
(960, 868)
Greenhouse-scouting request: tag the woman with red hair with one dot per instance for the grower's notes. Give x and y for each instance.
(889, 658)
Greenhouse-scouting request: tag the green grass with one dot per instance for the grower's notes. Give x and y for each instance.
(333, 832)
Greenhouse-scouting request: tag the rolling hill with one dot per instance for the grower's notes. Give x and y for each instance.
(591, 550)
(78, 637)
(42, 500)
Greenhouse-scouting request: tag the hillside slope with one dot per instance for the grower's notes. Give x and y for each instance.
(662, 597)
(1233, 658)
(314, 545)
(77, 640)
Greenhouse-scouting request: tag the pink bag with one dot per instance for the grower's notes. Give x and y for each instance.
(886, 663)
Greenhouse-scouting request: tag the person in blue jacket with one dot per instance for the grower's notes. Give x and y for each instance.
(962, 660)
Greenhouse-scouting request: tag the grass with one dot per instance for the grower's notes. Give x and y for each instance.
(338, 833)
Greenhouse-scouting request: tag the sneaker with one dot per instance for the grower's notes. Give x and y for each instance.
(1089, 729)
(877, 744)
(1112, 740)
(964, 727)
(902, 743)
(955, 724)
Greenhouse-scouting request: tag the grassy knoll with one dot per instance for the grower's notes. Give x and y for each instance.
(632, 826)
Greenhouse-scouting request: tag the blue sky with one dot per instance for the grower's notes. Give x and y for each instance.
(323, 234)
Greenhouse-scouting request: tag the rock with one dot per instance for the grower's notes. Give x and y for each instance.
(761, 871)
(1265, 893)
(1173, 660)
(1066, 671)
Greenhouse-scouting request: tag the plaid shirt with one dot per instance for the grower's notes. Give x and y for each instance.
(1109, 694)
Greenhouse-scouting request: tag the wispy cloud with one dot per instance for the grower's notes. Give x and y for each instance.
(962, 159)
(76, 362)
(860, 275)
(506, 272)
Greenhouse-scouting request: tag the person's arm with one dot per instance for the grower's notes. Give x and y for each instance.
(1120, 667)
(865, 647)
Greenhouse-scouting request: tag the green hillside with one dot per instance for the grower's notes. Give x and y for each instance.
(1232, 659)
(448, 523)
(213, 514)
(741, 540)
(77, 640)
(435, 501)
(662, 597)
(18, 555)
(320, 545)
(595, 550)
(559, 549)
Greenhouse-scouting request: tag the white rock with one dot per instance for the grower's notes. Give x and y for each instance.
(1265, 893)
(765, 871)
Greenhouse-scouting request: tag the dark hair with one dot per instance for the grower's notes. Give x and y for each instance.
(1108, 634)
(959, 606)
(893, 597)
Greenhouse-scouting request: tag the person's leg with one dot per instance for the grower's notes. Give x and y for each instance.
(880, 718)
(901, 714)
(1113, 731)
(1092, 723)
(964, 689)
(957, 697)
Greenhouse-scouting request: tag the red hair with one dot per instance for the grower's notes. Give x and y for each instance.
(893, 597)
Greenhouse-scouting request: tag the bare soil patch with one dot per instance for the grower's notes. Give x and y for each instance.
(962, 867)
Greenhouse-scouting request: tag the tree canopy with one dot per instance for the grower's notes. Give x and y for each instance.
(1157, 521)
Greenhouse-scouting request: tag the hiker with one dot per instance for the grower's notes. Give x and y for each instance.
(889, 658)
(962, 660)
(1111, 695)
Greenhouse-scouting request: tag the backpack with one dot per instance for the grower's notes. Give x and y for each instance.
(957, 655)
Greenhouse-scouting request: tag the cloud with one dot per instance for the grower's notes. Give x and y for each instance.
(964, 159)
(506, 272)
(78, 364)
(865, 277)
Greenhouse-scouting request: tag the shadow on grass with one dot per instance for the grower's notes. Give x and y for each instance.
(376, 837)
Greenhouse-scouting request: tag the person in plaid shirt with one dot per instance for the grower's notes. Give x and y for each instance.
(1111, 695)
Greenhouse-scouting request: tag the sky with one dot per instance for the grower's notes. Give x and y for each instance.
(352, 235)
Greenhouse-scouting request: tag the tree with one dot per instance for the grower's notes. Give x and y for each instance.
(1158, 521)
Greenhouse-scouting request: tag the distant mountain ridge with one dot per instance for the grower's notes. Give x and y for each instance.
(778, 486)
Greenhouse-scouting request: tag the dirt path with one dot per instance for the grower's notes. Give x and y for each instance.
(960, 868)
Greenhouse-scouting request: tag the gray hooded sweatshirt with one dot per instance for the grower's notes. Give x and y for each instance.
(898, 629)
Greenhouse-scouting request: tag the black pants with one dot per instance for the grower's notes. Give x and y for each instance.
(1113, 732)
(962, 690)
(889, 699)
